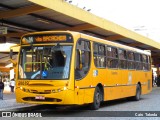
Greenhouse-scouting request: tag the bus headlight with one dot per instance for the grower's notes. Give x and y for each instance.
(65, 88)
(59, 90)
(53, 91)
(27, 90)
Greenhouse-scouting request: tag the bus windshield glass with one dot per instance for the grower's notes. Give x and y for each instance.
(45, 62)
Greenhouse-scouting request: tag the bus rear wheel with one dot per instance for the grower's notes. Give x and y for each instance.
(97, 99)
(138, 93)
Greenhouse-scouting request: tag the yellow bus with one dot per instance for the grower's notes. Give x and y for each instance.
(71, 68)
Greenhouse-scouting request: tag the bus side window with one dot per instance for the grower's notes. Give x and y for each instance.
(137, 61)
(122, 59)
(112, 60)
(82, 59)
(141, 61)
(131, 59)
(149, 63)
(145, 62)
(99, 54)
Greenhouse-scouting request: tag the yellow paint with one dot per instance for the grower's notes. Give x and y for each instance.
(117, 83)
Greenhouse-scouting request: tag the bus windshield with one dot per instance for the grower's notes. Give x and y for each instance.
(45, 62)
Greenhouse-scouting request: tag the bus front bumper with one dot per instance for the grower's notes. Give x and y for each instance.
(60, 97)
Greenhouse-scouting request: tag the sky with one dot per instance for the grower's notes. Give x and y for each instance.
(141, 16)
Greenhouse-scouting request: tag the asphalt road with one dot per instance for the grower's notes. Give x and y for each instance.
(147, 108)
(7, 96)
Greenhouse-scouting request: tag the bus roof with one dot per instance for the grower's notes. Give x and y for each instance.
(95, 39)
(118, 45)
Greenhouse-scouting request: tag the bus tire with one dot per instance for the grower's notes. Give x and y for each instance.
(138, 93)
(96, 99)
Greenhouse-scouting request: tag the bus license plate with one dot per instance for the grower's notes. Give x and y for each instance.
(40, 97)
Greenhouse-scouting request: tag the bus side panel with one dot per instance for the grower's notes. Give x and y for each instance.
(96, 76)
(143, 82)
(149, 81)
(79, 91)
(124, 82)
(130, 88)
(69, 97)
(112, 89)
(89, 94)
(147, 86)
(139, 77)
(84, 92)
(112, 93)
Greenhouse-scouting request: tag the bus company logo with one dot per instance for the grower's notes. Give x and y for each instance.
(17, 114)
(129, 78)
(95, 73)
(6, 114)
(27, 40)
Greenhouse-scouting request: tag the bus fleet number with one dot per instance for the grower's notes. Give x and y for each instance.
(23, 82)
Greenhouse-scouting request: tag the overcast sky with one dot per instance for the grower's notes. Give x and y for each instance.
(141, 16)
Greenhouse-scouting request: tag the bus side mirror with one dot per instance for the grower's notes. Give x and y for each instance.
(81, 60)
(11, 56)
(80, 63)
(78, 60)
(11, 53)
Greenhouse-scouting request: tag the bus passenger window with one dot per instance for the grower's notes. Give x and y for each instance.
(131, 63)
(122, 59)
(112, 60)
(138, 64)
(145, 62)
(82, 59)
(99, 55)
(149, 63)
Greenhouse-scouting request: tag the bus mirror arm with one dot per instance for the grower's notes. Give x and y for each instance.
(80, 67)
(11, 54)
(80, 62)
(14, 62)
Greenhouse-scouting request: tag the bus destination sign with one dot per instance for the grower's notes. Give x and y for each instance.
(33, 39)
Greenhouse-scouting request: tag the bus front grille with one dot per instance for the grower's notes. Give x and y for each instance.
(42, 100)
(42, 92)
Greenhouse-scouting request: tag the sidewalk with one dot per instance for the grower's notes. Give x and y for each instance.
(9, 102)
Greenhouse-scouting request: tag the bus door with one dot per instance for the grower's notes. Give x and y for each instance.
(82, 73)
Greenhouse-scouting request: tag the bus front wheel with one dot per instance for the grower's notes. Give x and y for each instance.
(97, 99)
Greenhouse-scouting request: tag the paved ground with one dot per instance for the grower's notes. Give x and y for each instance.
(148, 103)
(8, 96)
(9, 102)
